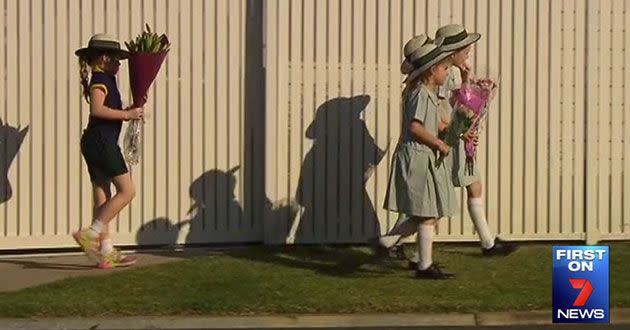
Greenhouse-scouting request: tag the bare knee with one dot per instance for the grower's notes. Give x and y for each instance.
(125, 187)
(131, 192)
(475, 190)
(128, 193)
(428, 221)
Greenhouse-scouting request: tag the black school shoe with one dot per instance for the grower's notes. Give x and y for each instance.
(380, 251)
(377, 249)
(397, 252)
(500, 248)
(434, 272)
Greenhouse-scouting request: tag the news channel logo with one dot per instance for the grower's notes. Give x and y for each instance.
(580, 284)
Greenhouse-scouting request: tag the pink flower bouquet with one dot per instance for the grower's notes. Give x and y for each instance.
(470, 104)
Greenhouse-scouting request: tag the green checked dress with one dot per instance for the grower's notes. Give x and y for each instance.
(416, 186)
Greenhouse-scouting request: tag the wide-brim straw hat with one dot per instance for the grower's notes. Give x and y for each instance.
(426, 57)
(103, 43)
(456, 37)
(411, 46)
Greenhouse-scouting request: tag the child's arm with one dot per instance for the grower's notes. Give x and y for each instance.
(425, 137)
(443, 118)
(99, 110)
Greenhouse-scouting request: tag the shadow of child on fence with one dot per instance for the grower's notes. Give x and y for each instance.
(335, 205)
(207, 191)
(11, 139)
(214, 205)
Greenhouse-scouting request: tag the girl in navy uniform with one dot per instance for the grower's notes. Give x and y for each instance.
(99, 146)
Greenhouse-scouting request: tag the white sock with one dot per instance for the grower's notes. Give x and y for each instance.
(424, 243)
(106, 246)
(415, 258)
(476, 211)
(389, 241)
(97, 226)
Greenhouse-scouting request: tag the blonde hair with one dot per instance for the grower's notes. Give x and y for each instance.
(85, 64)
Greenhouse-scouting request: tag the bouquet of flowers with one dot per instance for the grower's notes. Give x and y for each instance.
(470, 105)
(146, 55)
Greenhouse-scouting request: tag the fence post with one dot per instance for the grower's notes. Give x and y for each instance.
(590, 127)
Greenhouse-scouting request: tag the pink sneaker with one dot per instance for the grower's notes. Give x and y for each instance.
(116, 259)
(88, 243)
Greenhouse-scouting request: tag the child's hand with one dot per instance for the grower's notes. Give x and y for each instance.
(465, 72)
(443, 148)
(442, 126)
(135, 113)
(471, 136)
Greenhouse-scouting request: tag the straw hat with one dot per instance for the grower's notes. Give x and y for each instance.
(426, 57)
(456, 37)
(411, 46)
(103, 43)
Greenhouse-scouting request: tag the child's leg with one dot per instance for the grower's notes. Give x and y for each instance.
(101, 193)
(389, 241)
(426, 268)
(424, 242)
(405, 226)
(95, 239)
(125, 192)
(477, 213)
(91, 237)
(475, 190)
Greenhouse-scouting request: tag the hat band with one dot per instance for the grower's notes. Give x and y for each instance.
(104, 44)
(430, 56)
(428, 40)
(456, 38)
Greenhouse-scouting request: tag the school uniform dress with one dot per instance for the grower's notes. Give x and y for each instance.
(99, 142)
(456, 158)
(416, 186)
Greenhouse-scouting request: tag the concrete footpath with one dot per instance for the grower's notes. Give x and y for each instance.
(619, 317)
(20, 272)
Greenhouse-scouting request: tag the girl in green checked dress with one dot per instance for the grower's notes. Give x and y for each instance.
(417, 187)
(460, 42)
